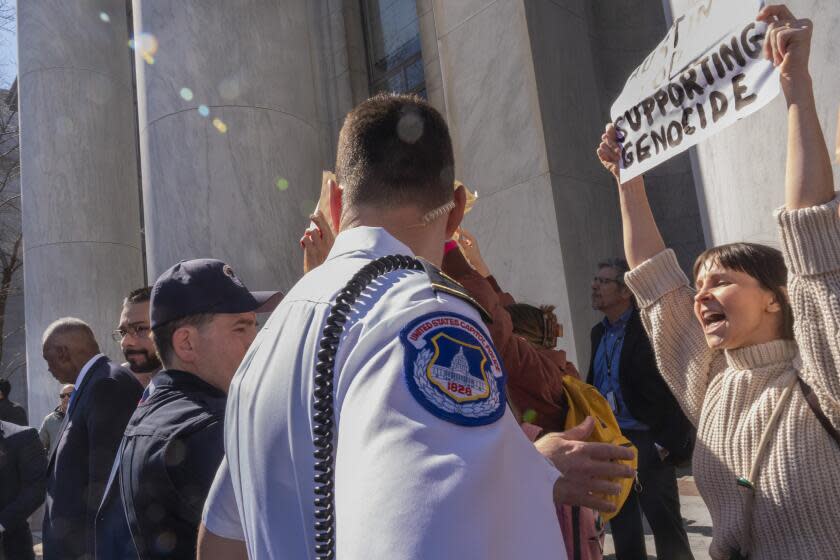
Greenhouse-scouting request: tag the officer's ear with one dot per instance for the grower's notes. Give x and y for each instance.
(457, 213)
(336, 203)
(184, 343)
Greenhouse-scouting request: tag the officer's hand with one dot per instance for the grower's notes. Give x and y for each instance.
(585, 468)
(316, 242)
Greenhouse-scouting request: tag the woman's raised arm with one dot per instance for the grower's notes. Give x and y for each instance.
(808, 178)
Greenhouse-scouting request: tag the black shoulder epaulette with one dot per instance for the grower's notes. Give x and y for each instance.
(442, 282)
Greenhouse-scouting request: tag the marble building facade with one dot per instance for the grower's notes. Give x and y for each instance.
(207, 137)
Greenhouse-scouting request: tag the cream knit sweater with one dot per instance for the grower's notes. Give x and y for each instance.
(730, 396)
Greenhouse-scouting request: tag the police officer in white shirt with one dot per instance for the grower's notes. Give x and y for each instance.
(391, 381)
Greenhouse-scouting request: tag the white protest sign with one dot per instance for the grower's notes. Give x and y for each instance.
(708, 72)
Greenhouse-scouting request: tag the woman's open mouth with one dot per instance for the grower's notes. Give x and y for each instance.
(713, 321)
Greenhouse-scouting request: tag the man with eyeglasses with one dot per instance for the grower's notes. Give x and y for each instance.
(623, 368)
(112, 533)
(52, 421)
(133, 335)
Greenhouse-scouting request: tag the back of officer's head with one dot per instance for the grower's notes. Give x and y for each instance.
(394, 150)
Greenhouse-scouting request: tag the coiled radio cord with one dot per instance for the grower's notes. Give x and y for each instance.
(323, 411)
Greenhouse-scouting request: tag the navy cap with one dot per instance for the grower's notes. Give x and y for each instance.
(204, 286)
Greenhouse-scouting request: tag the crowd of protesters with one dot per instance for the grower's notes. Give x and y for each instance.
(736, 370)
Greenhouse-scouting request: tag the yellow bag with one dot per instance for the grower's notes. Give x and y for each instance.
(585, 400)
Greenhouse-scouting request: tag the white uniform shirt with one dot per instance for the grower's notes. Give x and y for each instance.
(410, 482)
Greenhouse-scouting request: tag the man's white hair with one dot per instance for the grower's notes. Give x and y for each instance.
(67, 325)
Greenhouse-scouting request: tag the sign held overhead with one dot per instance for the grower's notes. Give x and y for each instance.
(708, 72)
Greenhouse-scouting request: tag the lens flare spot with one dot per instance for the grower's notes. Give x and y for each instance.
(282, 183)
(220, 125)
(410, 127)
(529, 416)
(203, 110)
(104, 17)
(229, 88)
(146, 45)
(186, 94)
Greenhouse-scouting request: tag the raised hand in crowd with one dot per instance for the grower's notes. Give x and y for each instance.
(469, 246)
(316, 242)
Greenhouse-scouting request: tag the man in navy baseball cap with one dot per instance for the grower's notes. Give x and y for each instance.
(203, 321)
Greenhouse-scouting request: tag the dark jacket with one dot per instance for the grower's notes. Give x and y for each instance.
(644, 391)
(23, 472)
(13, 412)
(173, 446)
(112, 534)
(82, 458)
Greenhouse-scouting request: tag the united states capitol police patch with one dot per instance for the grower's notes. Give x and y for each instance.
(452, 369)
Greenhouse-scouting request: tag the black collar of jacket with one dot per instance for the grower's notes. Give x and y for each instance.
(442, 282)
(187, 382)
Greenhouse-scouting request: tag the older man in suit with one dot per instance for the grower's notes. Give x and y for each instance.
(23, 468)
(105, 397)
(623, 368)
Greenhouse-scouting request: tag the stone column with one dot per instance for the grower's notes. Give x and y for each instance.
(740, 171)
(80, 204)
(229, 133)
(487, 87)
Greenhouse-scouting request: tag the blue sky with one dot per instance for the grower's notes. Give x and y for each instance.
(8, 57)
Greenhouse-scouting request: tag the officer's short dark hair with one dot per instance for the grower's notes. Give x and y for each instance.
(162, 335)
(5, 387)
(140, 295)
(394, 150)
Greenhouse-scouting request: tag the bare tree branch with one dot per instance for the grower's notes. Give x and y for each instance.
(11, 238)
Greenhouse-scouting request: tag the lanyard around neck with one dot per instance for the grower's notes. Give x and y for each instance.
(609, 353)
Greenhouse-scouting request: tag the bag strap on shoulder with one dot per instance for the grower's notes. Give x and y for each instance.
(814, 403)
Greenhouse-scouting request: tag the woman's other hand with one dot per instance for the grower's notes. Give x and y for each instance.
(609, 152)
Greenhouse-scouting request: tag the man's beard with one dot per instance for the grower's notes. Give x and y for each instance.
(149, 365)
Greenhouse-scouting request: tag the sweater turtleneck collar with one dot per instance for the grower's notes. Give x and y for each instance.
(761, 355)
